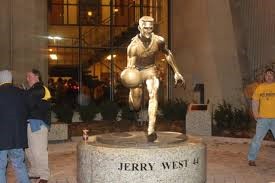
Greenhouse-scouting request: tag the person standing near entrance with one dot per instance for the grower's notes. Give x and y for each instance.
(13, 128)
(263, 103)
(39, 122)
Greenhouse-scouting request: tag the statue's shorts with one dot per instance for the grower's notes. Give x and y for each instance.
(149, 72)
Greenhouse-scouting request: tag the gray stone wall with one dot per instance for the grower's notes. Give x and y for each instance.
(254, 23)
(5, 32)
(205, 49)
(24, 37)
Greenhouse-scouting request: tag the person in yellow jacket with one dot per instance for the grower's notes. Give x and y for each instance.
(263, 104)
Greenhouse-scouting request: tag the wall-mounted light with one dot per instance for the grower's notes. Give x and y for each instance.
(109, 57)
(53, 56)
(116, 10)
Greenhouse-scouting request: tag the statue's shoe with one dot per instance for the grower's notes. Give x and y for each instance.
(152, 137)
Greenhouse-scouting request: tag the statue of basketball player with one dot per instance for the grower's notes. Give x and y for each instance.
(141, 54)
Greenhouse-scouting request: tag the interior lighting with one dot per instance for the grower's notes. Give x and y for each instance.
(54, 37)
(53, 56)
(90, 13)
(109, 57)
(116, 10)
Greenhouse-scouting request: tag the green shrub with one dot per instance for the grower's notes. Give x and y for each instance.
(87, 113)
(231, 118)
(242, 119)
(174, 110)
(108, 110)
(64, 113)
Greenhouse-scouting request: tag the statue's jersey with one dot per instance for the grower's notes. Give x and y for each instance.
(145, 56)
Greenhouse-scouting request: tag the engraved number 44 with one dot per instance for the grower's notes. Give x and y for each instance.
(196, 161)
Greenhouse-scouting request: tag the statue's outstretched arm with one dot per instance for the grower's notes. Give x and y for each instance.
(171, 61)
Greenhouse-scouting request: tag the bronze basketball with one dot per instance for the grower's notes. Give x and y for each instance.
(130, 77)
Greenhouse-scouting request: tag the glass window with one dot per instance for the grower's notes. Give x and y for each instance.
(93, 52)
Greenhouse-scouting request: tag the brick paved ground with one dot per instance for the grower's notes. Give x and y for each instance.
(226, 163)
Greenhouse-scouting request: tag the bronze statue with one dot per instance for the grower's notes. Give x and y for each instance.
(141, 54)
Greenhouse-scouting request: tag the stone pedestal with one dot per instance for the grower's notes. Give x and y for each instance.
(198, 120)
(127, 157)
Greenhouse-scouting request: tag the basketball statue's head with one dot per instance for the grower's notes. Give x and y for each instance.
(146, 26)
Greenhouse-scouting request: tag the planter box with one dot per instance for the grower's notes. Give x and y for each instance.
(58, 132)
(198, 120)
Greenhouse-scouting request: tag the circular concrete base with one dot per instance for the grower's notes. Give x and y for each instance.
(127, 157)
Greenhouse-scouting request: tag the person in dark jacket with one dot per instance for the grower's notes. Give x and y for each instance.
(13, 128)
(39, 122)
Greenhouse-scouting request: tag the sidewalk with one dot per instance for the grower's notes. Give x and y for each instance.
(226, 162)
